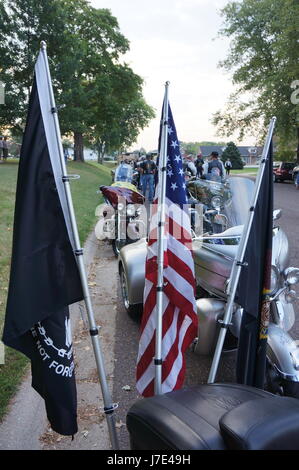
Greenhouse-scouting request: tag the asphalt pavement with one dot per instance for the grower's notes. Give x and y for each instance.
(286, 198)
(25, 426)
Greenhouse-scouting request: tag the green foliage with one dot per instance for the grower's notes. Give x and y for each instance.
(84, 47)
(264, 59)
(193, 147)
(231, 152)
(285, 155)
(120, 113)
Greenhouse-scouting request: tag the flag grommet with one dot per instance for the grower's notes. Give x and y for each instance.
(109, 410)
(243, 264)
(78, 252)
(94, 332)
(158, 362)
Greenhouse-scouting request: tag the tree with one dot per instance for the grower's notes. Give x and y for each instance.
(120, 112)
(193, 147)
(264, 59)
(84, 48)
(231, 152)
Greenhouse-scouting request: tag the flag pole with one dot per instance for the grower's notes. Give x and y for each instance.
(161, 237)
(109, 407)
(238, 261)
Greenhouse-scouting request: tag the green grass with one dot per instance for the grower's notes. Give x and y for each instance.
(85, 199)
(244, 171)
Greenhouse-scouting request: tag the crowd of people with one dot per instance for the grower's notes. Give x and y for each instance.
(211, 168)
(145, 168)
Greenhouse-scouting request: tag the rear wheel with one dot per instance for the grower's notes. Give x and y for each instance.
(134, 311)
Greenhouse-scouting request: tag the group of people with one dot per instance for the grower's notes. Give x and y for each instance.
(146, 168)
(3, 148)
(212, 168)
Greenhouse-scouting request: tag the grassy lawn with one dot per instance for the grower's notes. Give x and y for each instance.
(85, 200)
(245, 170)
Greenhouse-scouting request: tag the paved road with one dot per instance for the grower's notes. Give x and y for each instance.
(286, 198)
(120, 342)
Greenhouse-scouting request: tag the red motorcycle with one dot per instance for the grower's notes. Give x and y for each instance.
(124, 214)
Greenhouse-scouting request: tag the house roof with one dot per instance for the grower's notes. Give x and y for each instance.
(245, 151)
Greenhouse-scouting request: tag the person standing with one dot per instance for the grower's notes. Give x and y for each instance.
(1, 148)
(148, 169)
(228, 166)
(199, 165)
(215, 168)
(5, 149)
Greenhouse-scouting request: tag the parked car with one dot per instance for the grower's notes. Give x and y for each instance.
(283, 172)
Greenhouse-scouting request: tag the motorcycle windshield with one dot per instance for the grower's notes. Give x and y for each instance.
(225, 205)
(236, 206)
(124, 172)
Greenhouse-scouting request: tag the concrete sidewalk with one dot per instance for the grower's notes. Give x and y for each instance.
(25, 427)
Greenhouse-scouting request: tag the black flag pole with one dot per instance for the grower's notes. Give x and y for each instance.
(238, 261)
(109, 406)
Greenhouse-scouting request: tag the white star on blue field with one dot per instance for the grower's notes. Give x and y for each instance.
(175, 181)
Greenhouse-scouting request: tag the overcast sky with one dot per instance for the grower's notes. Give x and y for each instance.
(176, 41)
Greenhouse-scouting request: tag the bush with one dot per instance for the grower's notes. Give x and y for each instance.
(231, 152)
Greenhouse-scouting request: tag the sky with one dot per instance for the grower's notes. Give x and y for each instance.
(176, 41)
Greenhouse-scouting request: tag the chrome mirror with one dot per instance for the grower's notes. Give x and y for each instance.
(277, 214)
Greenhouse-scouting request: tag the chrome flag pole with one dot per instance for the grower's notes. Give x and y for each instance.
(238, 261)
(161, 238)
(109, 407)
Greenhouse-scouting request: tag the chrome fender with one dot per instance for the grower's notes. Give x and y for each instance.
(209, 312)
(283, 353)
(132, 259)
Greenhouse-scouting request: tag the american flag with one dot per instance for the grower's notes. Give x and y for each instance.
(179, 321)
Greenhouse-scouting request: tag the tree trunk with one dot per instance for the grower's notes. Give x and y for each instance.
(101, 149)
(78, 147)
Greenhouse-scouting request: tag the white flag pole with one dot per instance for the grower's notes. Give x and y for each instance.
(238, 261)
(109, 407)
(161, 240)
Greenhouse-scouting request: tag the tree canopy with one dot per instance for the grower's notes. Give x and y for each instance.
(264, 60)
(91, 84)
(193, 147)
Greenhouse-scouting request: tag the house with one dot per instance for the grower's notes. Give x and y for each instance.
(250, 155)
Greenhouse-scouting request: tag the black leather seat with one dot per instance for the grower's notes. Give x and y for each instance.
(215, 417)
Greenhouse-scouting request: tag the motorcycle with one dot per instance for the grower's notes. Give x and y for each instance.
(214, 252)
(120, 218)
(207, 197)
(213, 266)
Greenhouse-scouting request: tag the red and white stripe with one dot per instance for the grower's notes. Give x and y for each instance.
(179, 321)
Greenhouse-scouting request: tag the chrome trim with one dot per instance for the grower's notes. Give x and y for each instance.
(288, 377)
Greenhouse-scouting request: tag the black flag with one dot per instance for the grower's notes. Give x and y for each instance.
(254, 286)
(44, 278)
